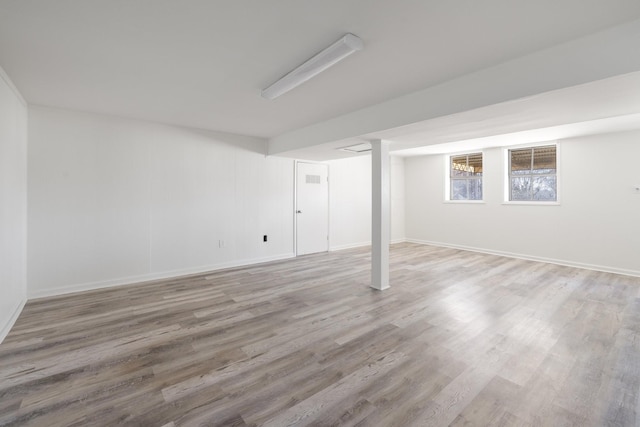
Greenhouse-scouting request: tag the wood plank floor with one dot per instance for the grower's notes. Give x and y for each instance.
(460, 339)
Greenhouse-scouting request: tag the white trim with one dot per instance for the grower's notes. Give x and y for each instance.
(295, 207)
(466, 202)
(350, 246)
(295, 203)
(4, 331)
(447, 177)
(605, 269)
(559, 171)
(80, 287)
(507, 183)
(531, 202)
(362, 244)
(4, 76)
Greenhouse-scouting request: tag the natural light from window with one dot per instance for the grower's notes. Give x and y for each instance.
(465, 174)
(533, 174)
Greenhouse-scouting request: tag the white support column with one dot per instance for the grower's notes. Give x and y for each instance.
(380, 214)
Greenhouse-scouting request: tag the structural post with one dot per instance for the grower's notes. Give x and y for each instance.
(380, 214)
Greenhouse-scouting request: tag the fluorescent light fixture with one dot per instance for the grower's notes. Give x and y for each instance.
(358, 148)
(344, 47)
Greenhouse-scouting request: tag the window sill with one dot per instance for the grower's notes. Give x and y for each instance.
(464, 202)
(531, 203)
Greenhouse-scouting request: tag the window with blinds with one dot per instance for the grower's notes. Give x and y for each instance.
(465, 174)
(533, 174)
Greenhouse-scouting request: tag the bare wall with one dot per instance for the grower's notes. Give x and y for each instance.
(594, 226)
(115, 201)
(350, 201)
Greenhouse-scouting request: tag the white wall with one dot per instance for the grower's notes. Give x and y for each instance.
(595, 225)
(115, 201)
(13, 204)
(350, 201)
(398, 231)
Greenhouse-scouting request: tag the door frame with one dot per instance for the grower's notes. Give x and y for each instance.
(295, 203)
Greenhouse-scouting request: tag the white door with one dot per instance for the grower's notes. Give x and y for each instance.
(312, 208)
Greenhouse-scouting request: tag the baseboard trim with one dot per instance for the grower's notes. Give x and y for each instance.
(361, 244)
(130, 280)
(349, 246)
(594, 267)
(4, 331)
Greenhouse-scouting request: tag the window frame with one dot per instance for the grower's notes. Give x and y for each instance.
(507, 174)
(448, 177)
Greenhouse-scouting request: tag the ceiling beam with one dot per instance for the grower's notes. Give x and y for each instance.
(599, 56)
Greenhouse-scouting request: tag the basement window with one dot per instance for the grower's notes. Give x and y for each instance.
(465, 177)
(533, 174)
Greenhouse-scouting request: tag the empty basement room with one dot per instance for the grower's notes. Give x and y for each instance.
(336, 213)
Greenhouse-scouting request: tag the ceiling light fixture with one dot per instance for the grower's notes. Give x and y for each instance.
(344, 47)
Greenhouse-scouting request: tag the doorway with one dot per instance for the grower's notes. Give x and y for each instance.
(312, 208)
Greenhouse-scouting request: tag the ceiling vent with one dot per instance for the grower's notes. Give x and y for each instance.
(358, 148)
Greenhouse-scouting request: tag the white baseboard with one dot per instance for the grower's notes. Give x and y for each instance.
(361, 244)
(349, 246)
(81, 287)
(4, 329)
(602, 268)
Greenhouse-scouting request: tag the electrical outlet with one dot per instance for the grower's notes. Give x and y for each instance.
(222, 244)
(264, 238)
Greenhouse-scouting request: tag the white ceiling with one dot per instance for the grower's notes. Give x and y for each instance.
(202, 63)
(609, 105)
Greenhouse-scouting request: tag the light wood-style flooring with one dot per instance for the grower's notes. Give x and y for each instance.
(459, 339)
